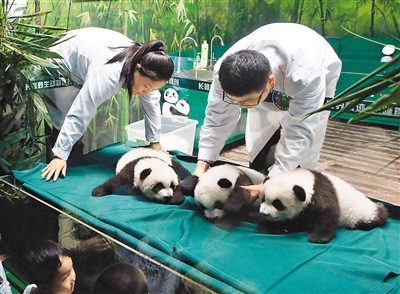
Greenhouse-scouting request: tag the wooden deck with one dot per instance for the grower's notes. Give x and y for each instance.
(364, 155)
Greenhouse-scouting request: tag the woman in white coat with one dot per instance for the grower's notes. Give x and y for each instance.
(100, 62)
(264, 71)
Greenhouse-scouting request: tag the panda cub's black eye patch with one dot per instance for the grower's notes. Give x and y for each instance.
(218, 205)
(224, 183)
(278, 205)
(158, 187)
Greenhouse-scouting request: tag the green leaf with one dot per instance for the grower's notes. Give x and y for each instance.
(390, 99)
(39, 61)
(371, 85)
(23, 45)
(5, 165)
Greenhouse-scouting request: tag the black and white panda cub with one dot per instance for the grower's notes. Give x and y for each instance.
(319, 203)
(220, 194)
(148, 172)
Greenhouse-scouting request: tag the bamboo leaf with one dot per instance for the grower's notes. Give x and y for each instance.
(35, 35)
(5, 165)
(349, 106)
(390, 99)
(355, 97)
(30, 15)
(23, 44)
(41, 28)
(27, 45)
(373, 74)
(132, 17)
(372, 86)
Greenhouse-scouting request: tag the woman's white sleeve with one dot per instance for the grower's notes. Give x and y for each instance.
(98, 87)
(150, 104)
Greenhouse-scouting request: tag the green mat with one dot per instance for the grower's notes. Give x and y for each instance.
(227, 261)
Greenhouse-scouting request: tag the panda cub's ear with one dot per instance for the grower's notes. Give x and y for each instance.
(144, 173)
(299, 192)
(224, 183)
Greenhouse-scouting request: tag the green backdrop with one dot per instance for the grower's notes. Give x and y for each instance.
(170, 21)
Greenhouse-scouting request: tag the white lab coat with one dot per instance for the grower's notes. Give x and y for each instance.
(85, 55)
(307, 69)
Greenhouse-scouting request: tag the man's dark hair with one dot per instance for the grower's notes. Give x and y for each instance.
(244, 72)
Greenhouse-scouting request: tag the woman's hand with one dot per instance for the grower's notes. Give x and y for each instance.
(157, 146)
(54, 168)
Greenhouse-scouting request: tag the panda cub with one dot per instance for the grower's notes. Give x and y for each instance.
(172, 105)
(219, 191)
(319, 203)
(148, 172)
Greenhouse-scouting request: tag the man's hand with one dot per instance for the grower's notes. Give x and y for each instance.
(201, 168)
(57, 167)
(254, 190)
(97, 243)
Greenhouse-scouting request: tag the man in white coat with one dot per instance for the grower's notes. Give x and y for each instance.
(264, 71)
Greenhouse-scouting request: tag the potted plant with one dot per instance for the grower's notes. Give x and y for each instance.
(24, 43)
(385, 77)
(368, 86)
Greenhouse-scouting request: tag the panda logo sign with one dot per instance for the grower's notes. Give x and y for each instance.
(172, 105)
(170, 96)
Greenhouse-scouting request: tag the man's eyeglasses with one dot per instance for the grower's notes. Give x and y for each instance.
(246, 103)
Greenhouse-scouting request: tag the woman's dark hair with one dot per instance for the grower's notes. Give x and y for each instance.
(244, 72)
(154, 62)
(42, 259)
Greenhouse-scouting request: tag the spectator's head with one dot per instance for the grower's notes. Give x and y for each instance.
(121, 278)
(51, 267)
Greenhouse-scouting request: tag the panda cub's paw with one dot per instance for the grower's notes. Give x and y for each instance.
(99, 191)
(320, 238)
(188, 185)
(177, 198)
(276, 227)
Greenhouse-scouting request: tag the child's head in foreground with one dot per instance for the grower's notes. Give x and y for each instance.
(51, 267)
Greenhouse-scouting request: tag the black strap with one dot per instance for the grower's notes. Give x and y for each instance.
(193, 159)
